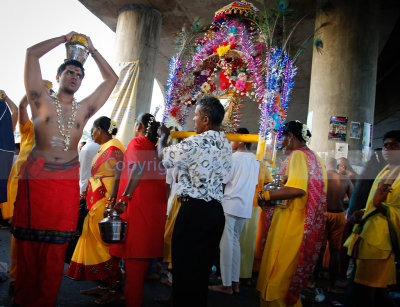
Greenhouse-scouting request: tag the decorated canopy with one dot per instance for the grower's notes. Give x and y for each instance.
(233, 59)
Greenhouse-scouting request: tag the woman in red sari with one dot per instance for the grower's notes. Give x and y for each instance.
(142, 200)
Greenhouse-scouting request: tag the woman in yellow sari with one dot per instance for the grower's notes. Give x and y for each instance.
(295, 229)
(91, 259)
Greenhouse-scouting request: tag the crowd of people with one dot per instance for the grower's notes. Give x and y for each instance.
(191, 205)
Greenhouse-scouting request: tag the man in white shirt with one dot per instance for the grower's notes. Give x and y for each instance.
(203, 162)
(86, 155)
(237, 204)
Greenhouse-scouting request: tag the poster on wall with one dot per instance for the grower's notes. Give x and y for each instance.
(338, 128)
(341, 150)
(355, 130)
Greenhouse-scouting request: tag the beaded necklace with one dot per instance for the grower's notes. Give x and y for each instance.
(65, 132)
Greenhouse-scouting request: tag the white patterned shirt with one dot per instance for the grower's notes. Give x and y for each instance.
(204, 162)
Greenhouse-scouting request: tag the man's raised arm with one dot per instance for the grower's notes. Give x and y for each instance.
(33, 75)
(99, 97)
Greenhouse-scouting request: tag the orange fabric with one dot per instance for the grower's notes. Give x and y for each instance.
(326, 258)
(334, 229)
(260, 240)
(264, 178)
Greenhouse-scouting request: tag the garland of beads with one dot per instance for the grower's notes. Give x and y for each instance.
(65, 132)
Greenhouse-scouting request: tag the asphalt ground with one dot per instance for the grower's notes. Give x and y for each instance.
(69, 291)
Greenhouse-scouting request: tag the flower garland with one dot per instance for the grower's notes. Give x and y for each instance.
(304, 133)
(65, 132)
(113, 125)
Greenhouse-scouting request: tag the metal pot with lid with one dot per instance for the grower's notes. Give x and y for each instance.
(112, 228)
(276, 184)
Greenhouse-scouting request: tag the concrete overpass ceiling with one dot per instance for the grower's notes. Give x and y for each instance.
(176, 13)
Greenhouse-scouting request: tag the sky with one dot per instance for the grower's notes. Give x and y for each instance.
(24, 23)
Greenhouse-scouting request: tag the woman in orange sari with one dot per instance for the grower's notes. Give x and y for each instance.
(91, 259)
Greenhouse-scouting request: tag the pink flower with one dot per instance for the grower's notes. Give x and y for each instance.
(240, 85)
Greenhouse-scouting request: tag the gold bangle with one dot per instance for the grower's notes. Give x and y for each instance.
(266, 195)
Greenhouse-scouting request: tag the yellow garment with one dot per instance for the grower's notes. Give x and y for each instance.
(247, 244)
(281, 252)
(260, 238)
(374, 254)
(169, 228)
(27, 142)
(90, 249)
(249, 234)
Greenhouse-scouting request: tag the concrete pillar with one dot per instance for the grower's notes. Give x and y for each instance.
(343, 75)
(137, 38)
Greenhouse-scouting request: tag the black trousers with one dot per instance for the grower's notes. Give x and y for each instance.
(195, 242)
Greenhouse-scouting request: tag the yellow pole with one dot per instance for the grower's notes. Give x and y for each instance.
(233, 137)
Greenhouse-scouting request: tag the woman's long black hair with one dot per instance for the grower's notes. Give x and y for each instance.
(151, 125)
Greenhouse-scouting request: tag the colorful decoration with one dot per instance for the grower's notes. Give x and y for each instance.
(238, 9)
(233, 59)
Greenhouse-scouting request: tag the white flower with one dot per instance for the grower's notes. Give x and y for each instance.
(304, 133)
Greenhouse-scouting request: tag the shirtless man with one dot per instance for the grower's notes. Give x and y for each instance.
(47, 204)
(338, 187)
(344, 168)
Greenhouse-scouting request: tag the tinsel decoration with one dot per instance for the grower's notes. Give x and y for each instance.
(234, 58)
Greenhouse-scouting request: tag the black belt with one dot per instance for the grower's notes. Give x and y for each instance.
(188, 198)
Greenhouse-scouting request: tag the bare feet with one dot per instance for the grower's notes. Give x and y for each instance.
(94, 291)
(109, 297)
(235, 287)
(222, 289)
